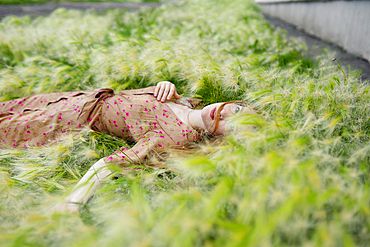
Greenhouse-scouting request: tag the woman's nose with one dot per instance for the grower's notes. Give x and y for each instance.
(222, 113)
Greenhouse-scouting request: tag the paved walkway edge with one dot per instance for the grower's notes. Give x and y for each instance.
(345, 23)
(316, 46)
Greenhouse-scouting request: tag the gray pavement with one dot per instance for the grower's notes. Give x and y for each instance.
(316, 46)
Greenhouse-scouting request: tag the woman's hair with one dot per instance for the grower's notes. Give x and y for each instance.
(203, 145)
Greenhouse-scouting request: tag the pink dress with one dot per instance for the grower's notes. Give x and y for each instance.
(130, 114)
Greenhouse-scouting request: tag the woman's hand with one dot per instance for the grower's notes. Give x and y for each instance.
(165, 90)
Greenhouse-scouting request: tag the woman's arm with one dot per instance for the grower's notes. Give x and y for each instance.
(91, 181)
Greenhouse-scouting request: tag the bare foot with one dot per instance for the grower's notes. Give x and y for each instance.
(65, 207)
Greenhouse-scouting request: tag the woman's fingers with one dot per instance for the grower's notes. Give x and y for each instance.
(165, 90)
(157, 89)
(172, 91)
(177, 96)
(160, 93)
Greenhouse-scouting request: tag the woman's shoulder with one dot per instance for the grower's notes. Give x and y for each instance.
(191, 102)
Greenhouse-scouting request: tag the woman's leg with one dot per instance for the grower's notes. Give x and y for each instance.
(85, 188)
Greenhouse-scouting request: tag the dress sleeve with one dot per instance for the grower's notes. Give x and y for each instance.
(147, 90)
(188, 101)
(152, 141)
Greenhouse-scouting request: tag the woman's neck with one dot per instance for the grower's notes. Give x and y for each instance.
(189, 116)
(195, 119)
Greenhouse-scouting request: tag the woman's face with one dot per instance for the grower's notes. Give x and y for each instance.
(209, 116)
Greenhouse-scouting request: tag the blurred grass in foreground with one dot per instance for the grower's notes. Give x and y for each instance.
(300, 179)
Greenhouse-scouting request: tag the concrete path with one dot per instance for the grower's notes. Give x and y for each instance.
(45, 9)
(345, 23)
(316, 46)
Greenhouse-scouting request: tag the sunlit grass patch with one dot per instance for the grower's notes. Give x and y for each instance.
(298, 177)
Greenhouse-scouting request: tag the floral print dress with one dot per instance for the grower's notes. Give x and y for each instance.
(133, 115)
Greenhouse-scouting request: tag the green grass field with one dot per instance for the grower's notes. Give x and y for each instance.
(300, 179)
(45, 1)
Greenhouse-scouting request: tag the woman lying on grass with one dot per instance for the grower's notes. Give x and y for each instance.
(145, 116)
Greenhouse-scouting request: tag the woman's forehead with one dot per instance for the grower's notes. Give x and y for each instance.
(228, 106)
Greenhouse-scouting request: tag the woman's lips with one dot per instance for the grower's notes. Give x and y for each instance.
(212, 113)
